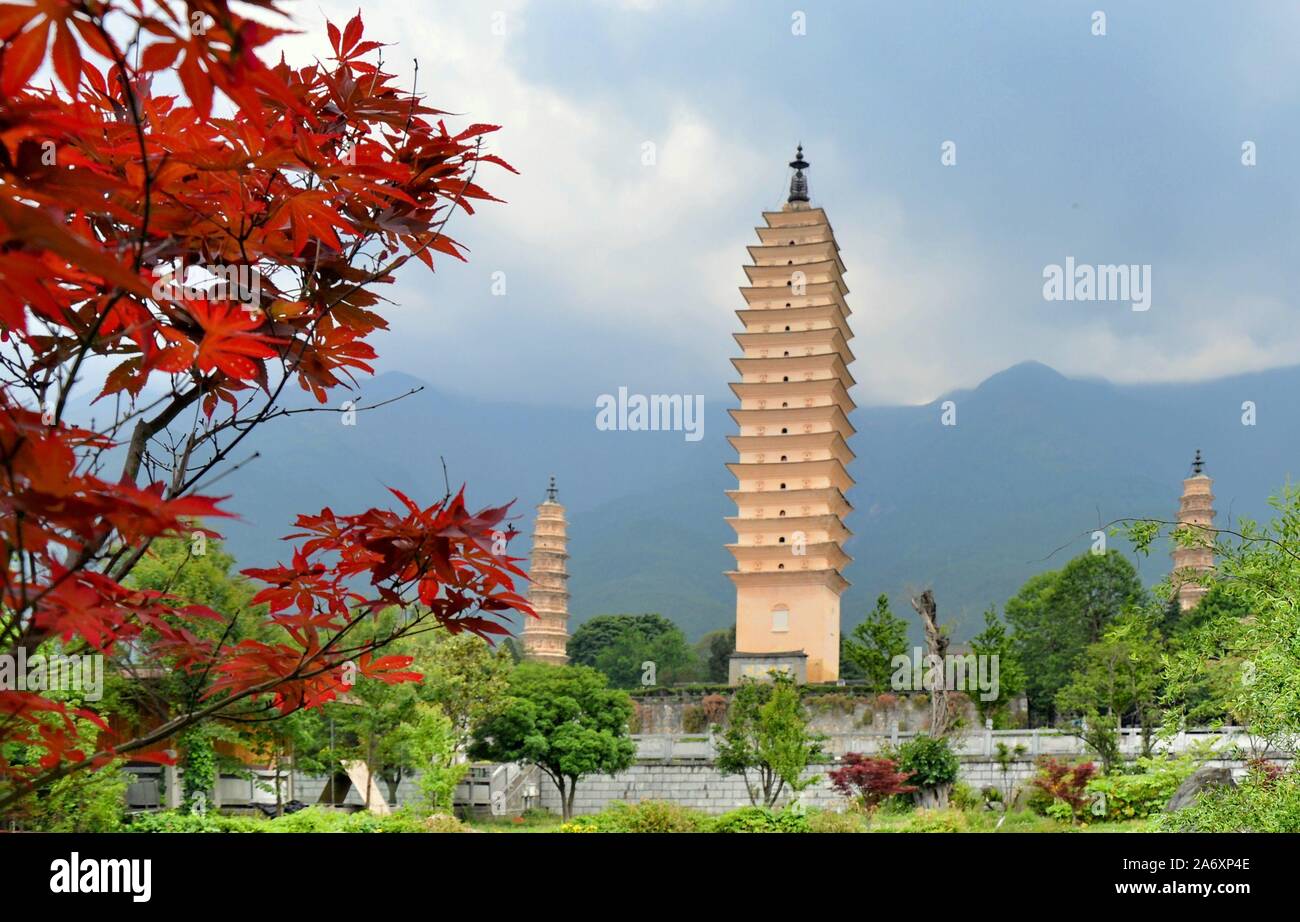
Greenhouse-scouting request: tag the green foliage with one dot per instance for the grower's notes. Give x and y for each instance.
(1259, 803)
(762, 819)
(1056, 615)
(565, 720)
(463, 676)
(1038, 801)
(835, 701)
(965, 797)
(714, 650)
(1118, 678)
(312, 819)
(433, 741)
(1202, 670)
(929, 762)
(995, 641)
(400, 729)
(199, 761)
(625, 660)
(81, 802)
(174, 821)
(832, 822)
(618, 645)
(646, 816)
(1005, 755)
(318, 819)
(767, 734)
(872, 645)
(1240, 653)
(949, 820)
(1141, 793)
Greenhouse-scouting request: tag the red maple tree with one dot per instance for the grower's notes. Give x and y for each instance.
(197, 228)
(870, 780)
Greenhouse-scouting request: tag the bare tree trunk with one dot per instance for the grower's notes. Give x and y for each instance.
(936, 643)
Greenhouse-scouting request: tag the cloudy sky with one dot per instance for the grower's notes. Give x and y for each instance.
(1122, 148)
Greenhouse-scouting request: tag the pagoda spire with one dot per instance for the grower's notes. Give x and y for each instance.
(798, 182)
(551, 491)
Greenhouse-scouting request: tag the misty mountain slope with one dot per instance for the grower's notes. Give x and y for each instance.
(1035, 462)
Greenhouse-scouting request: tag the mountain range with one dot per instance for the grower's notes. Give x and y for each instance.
(1034, 463)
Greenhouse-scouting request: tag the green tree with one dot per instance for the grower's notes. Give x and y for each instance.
(995, 641)
(432, 739)
(872, 645)
(621, 645)
(641, 656)
(563, 719)
(767, 734)
(1117, 679)
(1057, 615)
(1207, 669)
(202, 572)
(465, 677)
(1248, 635)
(932, 766)
(713, 651)
(594, 636)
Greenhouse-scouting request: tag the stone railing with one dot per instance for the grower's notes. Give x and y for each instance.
(973, 744)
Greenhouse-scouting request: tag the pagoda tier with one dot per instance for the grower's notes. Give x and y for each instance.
(792, 445)
(545, 638)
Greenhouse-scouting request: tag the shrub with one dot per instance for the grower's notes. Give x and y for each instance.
(694, 720)
(443, 822)
(870, 780)
(836, 702)
(929, 762)
(1066, 784)
(1138, 794)
(761, 819)
(363, 821)
(830, 821)
(965, 797)
(932, 766)
(647, 816)
(84, 802)
(715, 708)
(949, 820)
(1258, 804)
(1037, 800)
(1270, 771)
(173, 821)
(312, 819)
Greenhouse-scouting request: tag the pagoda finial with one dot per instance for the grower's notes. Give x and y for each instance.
(1198, 463)
(798, 182)
(550, 490)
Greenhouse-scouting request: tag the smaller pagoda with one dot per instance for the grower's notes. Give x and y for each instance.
(1195, 511)
(546, 638)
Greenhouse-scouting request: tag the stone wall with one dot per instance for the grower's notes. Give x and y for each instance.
(838, 711)
(679, 768)
(702, 787)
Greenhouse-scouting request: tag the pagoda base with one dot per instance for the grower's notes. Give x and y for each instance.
(760, 666)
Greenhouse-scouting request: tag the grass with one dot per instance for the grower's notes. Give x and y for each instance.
(984, 821)
(532, 821)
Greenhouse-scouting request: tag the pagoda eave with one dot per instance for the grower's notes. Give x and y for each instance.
(831, 579)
